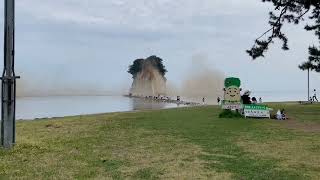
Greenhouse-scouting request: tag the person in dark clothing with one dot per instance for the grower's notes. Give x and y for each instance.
(246, 97)
(283, 114)
(254, 100)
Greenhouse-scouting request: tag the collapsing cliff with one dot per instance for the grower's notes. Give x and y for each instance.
(148, 77)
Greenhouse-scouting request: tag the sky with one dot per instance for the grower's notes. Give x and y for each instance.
(74, 46)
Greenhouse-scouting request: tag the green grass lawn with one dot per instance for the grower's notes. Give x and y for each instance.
(186, 143)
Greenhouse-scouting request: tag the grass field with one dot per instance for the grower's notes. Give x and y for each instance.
(186, 143)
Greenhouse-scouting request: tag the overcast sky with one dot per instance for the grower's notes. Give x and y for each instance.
(69, 44)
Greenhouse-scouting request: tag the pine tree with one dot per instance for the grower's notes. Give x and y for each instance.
(290, 12)
(136, 67)
(314, 60)
(157, 62)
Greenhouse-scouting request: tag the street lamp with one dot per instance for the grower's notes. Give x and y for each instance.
(8, 93)
(307, 66)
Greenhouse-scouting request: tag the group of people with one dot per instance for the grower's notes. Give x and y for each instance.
(166, 99)
(281, 115)
(245, 98)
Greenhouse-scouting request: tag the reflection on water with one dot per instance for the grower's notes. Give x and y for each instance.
(141, 104)
(59, 106)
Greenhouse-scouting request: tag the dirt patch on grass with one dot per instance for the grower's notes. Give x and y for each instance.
(52, 126)
(301, 126)
(304, 118)
(292, 155)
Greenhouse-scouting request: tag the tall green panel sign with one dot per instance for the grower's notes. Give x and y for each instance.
(232, 97)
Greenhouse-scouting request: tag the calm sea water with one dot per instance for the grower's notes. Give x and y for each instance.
(59, 106)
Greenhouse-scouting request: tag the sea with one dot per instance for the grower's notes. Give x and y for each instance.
(29, 108)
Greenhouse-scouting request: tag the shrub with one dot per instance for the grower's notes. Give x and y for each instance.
(230, 114)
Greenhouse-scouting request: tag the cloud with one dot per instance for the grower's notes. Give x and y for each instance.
(146, 15)
(106, 35)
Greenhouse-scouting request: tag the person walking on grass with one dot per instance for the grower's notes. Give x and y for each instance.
(314, 98)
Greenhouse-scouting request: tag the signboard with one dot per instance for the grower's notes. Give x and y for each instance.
(254, 110)
(231, 105)
(232, 99)
(232, 89)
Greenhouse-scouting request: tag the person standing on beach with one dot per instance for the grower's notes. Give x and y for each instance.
(254, 100)
(314, 98)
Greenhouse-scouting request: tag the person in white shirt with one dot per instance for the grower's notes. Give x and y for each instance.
(314, 98)
(279, 115)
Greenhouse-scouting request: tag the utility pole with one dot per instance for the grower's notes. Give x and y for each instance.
(8, 93)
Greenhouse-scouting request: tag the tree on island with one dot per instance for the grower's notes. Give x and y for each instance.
(155, 61)
(290, 12)
(135, 68)
(148, 77)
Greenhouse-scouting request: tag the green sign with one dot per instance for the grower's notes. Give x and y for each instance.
(232, 91)
(254, 110)
(255, 107)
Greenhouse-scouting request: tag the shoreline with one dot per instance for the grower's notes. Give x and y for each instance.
(164, 100)
(38, 108)
(149, 110)
(104, 113)
(123, 95)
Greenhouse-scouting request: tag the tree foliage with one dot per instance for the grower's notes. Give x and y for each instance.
(136, 67)
(290, 12)
(313, 62)
(155, 61)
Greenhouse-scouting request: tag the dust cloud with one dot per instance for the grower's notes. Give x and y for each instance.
(31, 86)
(149, 81)
(201, 81)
